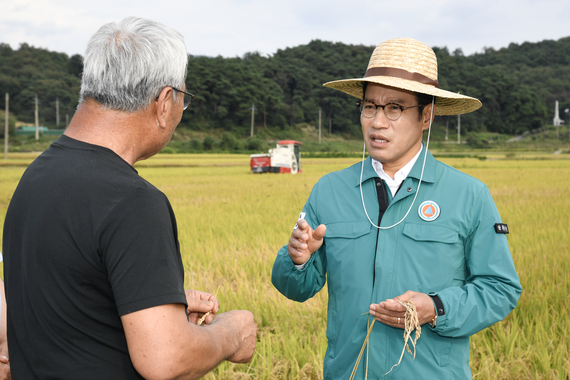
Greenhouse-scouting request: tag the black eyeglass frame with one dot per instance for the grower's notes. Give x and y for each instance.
(184, 92)
(402, 109)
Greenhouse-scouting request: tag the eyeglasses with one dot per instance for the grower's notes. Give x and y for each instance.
(391, 110)
(188, 100)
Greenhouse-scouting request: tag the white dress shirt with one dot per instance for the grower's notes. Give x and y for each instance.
(399, 176)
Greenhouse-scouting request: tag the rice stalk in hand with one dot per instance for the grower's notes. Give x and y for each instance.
(201, 320)
(411, 323)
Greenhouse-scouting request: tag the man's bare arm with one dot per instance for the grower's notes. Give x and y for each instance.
(4, 358)
(164, 345)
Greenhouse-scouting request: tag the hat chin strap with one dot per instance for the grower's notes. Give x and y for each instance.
(419, 184)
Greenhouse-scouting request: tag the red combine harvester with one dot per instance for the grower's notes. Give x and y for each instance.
(284, 158)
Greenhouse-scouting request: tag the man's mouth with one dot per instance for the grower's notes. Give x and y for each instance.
(379, 140)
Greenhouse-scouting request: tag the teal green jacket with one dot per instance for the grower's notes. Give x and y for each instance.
(458, 255)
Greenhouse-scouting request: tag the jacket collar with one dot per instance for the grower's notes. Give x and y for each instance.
(367, 172)
(416, 172)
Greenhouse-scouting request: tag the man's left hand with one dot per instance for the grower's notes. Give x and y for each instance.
(391, 313)
(199, 303)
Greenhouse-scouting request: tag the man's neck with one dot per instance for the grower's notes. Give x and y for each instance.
(395, 180)
(390, 169)
(122, 132)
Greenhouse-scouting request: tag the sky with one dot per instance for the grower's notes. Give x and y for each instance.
(231, 28)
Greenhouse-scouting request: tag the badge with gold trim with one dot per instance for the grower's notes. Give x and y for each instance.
(429, 211)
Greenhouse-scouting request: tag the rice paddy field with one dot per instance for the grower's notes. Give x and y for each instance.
(232, 222)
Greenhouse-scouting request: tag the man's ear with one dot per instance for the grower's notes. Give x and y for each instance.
(427, 115)
(164, 104)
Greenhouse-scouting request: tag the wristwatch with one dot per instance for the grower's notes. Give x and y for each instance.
(439, 310)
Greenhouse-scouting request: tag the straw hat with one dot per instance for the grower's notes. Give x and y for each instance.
(411, 65)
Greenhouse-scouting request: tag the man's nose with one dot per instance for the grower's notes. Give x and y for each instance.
(379, 120)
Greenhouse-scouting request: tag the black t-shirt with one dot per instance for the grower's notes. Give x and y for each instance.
(86, 240)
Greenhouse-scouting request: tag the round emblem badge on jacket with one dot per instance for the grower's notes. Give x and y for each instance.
(429, 211)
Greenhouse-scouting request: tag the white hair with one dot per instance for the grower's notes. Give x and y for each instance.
(127, 64)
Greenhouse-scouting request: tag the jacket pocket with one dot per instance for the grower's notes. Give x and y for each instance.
(349, 250)
(431, 233)
(435, 255)
(347, 230)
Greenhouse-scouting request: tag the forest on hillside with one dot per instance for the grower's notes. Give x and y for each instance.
(517, 85)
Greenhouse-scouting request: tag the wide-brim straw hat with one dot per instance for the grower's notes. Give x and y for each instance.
(408, 64)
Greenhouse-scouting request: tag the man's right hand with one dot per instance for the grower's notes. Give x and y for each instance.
(304, 241)
(5, 368)
(245, 332)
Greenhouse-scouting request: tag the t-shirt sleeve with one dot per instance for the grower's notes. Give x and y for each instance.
(139, 250)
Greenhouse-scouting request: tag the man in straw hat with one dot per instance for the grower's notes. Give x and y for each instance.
(94, 276)
(401, 226)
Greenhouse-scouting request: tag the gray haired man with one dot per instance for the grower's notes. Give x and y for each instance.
(94, 276)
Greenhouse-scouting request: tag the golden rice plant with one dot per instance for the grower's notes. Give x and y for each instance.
(232, 222)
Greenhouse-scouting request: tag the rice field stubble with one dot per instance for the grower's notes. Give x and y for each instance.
(231, 224)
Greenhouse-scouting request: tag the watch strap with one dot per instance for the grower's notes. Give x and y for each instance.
(438, 304)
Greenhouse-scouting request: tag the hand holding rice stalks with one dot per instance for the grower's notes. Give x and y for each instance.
(411, 323)
(201, 320)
